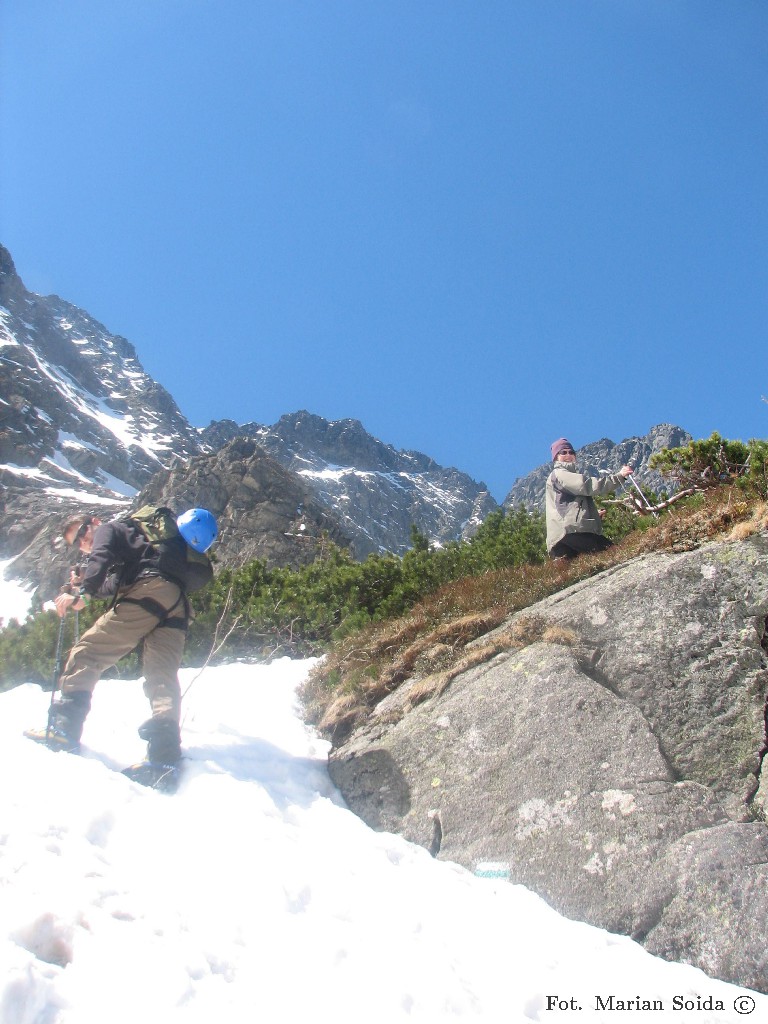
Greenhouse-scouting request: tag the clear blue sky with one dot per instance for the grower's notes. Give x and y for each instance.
(474, 225)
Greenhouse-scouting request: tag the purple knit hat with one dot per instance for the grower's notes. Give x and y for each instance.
(560, 445)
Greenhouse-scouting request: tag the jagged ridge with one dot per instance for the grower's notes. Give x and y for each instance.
(376, 491)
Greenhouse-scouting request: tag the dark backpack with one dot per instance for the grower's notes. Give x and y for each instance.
(176, 560)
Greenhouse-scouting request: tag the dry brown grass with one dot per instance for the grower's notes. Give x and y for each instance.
(441, 636)
(523, 633)
(757, 522)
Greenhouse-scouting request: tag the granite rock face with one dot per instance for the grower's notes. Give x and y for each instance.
(618, 771)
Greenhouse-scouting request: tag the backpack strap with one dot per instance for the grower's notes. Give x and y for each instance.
(162, 614)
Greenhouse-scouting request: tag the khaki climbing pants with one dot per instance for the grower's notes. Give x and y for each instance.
(121, 629)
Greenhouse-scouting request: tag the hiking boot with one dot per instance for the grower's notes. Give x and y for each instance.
(54, 739)
(163, 777)
(65, 722)
(163, 740)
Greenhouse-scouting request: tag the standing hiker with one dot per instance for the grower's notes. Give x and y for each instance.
(148, 582)
(574, 524)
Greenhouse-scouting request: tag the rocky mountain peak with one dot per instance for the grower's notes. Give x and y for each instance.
(79, 412)
(376, 491)
(345, 442)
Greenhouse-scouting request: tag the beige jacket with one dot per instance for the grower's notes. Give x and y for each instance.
(570, 505)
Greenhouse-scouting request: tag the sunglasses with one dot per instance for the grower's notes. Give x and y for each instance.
(81, 533)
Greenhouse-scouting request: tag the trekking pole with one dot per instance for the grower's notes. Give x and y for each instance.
(59, 658)
(77, 573)
(647, 503)
(56, 672)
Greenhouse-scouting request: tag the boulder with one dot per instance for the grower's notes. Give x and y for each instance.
(617, 771)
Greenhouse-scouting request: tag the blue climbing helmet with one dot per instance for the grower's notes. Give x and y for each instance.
(198, 528)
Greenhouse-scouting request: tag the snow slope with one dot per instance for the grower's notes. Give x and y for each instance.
(254, 895)
(15, 600)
